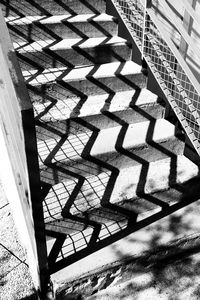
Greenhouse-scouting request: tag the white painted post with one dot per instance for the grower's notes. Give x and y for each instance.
(19, 168)
(13, 170)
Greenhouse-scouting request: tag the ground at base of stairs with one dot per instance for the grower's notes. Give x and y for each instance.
(168, 269)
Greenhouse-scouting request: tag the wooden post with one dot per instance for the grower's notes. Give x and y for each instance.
(19, 162)
(184, 47)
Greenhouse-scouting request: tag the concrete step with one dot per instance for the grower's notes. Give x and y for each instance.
(124, 194)
(60, 84)
(37, 28)
(107, 150)
(73, 52)
(101, 111)
(107, 221)
(52, 7)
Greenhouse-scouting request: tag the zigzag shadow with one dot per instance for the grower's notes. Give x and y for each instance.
(99, 244)
(85, 155)
(113, 175)
(130, 227)
(58, 60)
(70, 224)
(32, 37)
(65, 211)
(48, 58)
(45, 95)
(86, 220)
(144, 163)
(37, 9)
(133, 225)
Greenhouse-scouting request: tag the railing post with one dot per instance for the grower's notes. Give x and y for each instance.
(143, 29)
(19, 149)
(147, 4)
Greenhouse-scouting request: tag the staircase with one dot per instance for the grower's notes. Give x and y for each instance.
(110, 162)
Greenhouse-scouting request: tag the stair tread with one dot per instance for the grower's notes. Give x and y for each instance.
(45, 20)
(110, 218)
(141, 206)
(81, 73)
(51, 7)
(92, 190)
(93, 105)
(68, 43)
(136, 136)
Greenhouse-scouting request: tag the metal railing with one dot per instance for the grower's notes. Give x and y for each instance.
(167, 43)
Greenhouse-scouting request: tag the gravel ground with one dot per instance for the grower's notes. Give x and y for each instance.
(15, 280)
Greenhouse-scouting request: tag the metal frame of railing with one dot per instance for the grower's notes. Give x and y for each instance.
(144, 22)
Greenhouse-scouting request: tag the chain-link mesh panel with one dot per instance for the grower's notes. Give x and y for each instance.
(172, 78)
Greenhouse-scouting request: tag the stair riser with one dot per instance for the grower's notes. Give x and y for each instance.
(100, 121)
(132, 157)
(64, 30)
(52, 7)
(77, 57)
(88, 87)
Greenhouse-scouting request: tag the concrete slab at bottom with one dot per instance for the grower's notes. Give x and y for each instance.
(163, 265)
(147, 287)
(177, 225)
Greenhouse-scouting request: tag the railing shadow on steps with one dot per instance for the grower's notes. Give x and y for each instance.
(131, 224)
(32, 33)
(111, 181)
(62, 253)
(56, 59)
